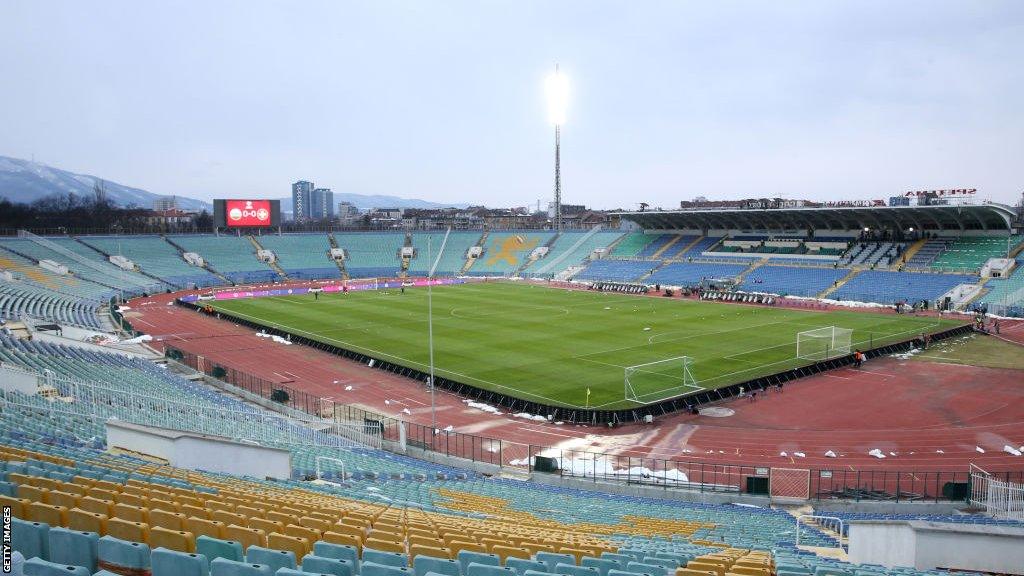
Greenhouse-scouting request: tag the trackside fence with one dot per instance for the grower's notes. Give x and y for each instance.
(1000, 497)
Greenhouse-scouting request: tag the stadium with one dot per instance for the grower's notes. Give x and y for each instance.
(681, 363)
(430, 363)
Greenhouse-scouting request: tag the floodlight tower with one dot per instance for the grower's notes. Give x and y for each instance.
(557, 89)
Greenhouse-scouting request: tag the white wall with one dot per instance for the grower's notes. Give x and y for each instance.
(928, 545)
(199, 451)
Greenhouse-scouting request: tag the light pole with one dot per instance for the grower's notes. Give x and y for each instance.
(430, 324)
(557, 89)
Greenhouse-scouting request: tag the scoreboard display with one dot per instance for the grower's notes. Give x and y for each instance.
(236, 213)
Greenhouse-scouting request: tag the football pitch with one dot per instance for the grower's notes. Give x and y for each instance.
(551, 345)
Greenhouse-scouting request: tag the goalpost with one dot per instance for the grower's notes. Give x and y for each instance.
(823, 343)
(655, 381)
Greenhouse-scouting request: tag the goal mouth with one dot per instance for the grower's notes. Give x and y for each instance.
(652, 382)
(824, 343)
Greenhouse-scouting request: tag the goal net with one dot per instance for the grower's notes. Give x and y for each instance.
(655, 381)
(823, 343)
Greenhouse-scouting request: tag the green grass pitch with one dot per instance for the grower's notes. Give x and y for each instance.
(550, 345)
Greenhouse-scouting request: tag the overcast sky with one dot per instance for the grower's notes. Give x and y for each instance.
(444, 100)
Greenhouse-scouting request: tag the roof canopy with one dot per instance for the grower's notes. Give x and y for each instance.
(926, 218)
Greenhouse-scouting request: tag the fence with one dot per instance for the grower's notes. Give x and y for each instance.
(1000, 498)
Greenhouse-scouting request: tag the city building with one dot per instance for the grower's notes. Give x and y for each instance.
(302, 200)
(165, 203)
(347, 213)
(322, 204)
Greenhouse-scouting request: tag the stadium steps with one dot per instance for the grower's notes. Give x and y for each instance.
(403, 272)
(965, 305)
(757, 264)
(471, 261)
(72, 272)
(853, 274)
(665, 248)
(530, 260)
(137, 267)
(678, 254)
(1017, 250)
(910, 251)
(206, 265)
(274, 265)
(339, 263)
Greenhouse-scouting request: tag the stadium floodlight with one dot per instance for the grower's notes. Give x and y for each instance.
(557, 90)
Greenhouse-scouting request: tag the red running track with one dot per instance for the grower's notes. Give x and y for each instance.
(931, 416)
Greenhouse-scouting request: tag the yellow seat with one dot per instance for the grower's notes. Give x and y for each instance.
(174, 539)
(245, 536)
(268, 526)
(425, 550)
(90, 504)
(131, 499)
(300, 546)
(318, 524)
(505, 552)
(48, 513)
(131, 513)
(17, 506)
(346, 539)
(384, 545)
(282, 517)
(229, 518)
(75, 489)
(32, 493)
(309, 534)
(203, 527)
(457, 546)
(166, 519)
(215, 505)
(195, 511)
(86, 521)
(128, 530)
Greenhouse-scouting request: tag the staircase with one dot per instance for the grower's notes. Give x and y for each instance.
(743, 275)
(406, 261)
(206, 265)
(530, 261)
(657, 254)
(470, 261)
(256, 244)
(687, 248)
(853, 274)
(909, 252)
(611, 247)
(339, 263)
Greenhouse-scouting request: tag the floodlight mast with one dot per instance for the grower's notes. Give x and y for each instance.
(558, 93)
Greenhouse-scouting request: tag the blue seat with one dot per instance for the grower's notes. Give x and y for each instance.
(273, 558)
(173, 563)
(521, 565)
(552, 559)
(574, 570)
(421, 565)
(8, 489)
(385, 558)
(225, 567)
(620, 559)
(670, 565)
(322, 565)
(123, 553)
(645, 568)
(75, 548)
(680, 559)
(626, 573)
(538, 573)
(32, 539)
(467, 557)
(40, 567)
(475, 569)
(338, 551)
(603, 565)
(214, 548)
(376, 569)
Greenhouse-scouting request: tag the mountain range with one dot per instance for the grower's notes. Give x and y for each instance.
(27, 181)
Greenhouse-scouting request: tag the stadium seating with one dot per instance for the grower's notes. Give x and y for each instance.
(697, 249)
(886, 287)
(691, 273)
(616, 270)
(371, 254)
(928, 252)
(565, 255)
(505, 252)
(17, 299)
(631, 245)
(232, 256)
(969, 253)
(152, 254)
(452, 260)
(792, 280)
(27, 270)
(302, 256)
(1005, 296)
(657, 243)
(85, 262)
